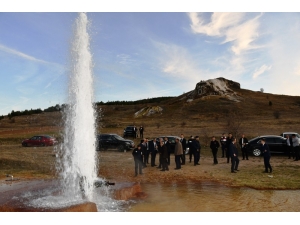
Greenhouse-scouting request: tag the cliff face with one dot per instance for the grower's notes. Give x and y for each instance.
(218, 86)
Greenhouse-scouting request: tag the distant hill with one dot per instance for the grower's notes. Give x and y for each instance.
(213, 107)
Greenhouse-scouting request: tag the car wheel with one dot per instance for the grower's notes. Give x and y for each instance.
(121, 148)
(256, 152)
(24, 145)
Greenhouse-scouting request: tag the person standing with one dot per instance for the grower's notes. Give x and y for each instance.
(214, 145)
(134, 132)
(191, 147)
(141, 132)
(138, 157)
(164, 155)
(183, 143)
(197, 148)
(153, 151)
(147, 151)
(144, 151)
(233, 152)
(243, 142)
(289, 146)
(168, 145)
(223, 140)
(178, 153)
(228, 143)
(264, 148)
(159, 151)
(295, 141)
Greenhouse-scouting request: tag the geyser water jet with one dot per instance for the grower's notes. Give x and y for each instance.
(77, 163)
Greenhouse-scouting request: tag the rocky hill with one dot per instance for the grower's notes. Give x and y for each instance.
(213, 107)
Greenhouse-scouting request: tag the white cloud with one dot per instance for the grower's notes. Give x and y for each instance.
(233, 27)
(260, 71)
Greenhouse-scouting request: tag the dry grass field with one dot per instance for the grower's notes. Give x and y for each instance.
(205, 117)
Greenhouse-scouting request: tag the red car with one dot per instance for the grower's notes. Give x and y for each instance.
(39, 140)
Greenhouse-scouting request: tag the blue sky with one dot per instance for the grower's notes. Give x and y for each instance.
(142, 55)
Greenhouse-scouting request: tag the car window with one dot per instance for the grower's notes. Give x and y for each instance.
(278, 140)
(270, 140)
(118, 137)
(33, 138)
(105, 137)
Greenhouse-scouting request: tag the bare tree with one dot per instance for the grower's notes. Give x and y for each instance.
(233, 121)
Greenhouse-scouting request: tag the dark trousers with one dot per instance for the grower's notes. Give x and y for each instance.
(144, 159)
(164, 164)
(196, 157)
(147, 157)
(267, 164)
(169, 158)
(244, 153)
(214, 152)
(234, 163)
(141, 135)
(177, 161)
(296, 150)
(138, 165)
(290, 152)
(183, 158)
(134, 135)
(223, 151)
(191, 154)
(153, 156)
(160, 161)
(227, 154)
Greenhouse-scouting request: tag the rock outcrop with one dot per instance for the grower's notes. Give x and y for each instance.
(147, 111)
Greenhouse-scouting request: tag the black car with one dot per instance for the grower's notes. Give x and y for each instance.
(114, 141)
(172, 139)
(277, 144)
(128, 131)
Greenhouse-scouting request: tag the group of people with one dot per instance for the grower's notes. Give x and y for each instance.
(293, 148)
(163, 149)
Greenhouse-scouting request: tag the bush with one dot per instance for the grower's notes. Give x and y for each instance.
(276, 114)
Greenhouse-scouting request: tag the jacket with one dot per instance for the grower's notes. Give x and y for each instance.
(214, 145)
(137, 154)
(178, 149)
(233, 150)
(265, 150)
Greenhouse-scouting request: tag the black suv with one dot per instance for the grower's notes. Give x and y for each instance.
(114, 141)
(277, 144)
(128, 131)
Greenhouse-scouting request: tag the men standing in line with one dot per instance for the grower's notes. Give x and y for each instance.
(295, 141)
(138, 157)
(228, 143)
(183, 143)
(178, 153)
(153, 150)
(164, 155)
(243, 142)
(191, 147)
(223, 144)
(289, 146)
(233, 152)
(267, 155)
(168, 145)
(214, 145)
(141, 132)
(196, 149)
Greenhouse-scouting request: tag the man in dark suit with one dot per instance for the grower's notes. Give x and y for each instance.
(228, 143)
(138, 159)
(264, 148)
(191, 147)
(223, 140)
(233, 151)
(144, 151)
(214, 145)
(168, 145)
(153, 151)
(134, 132)
(183, 143)
(141, 132)
(164, 155)
(289, 146)
(243, 142)
(197, 148)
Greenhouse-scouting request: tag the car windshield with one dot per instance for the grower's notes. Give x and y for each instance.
(118, 137)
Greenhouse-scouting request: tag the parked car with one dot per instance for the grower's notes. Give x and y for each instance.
(276, 143)
(289, 133)
(39, 140)
(114, 141)
(172, 139)
(128, 131)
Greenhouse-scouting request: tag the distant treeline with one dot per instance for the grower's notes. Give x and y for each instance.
(143, 101)
(61, 107)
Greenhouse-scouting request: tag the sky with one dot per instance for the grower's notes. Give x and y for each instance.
(146, 52)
